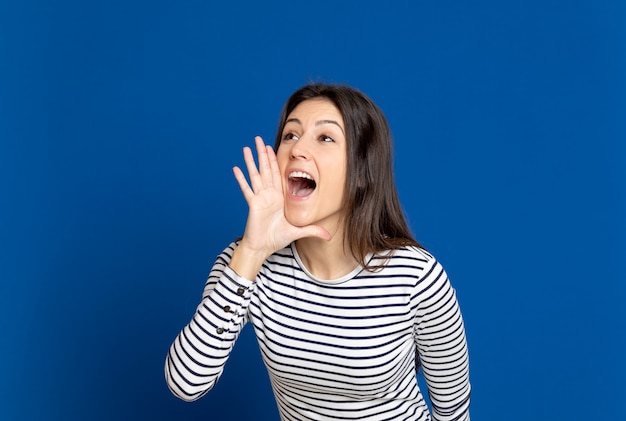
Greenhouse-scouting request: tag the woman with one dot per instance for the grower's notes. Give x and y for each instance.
(342, 299)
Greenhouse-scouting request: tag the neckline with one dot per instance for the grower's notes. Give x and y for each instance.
(348, 276)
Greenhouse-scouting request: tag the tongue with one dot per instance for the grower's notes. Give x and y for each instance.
(300, 187)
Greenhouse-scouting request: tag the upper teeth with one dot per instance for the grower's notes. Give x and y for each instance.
(300, 174)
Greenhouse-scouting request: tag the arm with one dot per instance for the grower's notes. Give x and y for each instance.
(442, 346)
(197, 356)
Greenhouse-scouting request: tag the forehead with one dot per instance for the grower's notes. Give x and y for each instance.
(316, 108)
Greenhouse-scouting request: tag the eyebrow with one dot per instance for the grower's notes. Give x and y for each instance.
(317, 123)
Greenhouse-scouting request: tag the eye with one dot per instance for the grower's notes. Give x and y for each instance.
(290, 136)
(324, 138)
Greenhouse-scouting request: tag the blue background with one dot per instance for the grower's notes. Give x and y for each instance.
(120, 122)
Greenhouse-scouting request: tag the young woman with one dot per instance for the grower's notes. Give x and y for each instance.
(343, 300)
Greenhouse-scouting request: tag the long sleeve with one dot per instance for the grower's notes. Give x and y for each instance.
(442, 347)
(197, 356)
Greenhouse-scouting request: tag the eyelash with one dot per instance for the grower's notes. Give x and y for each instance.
(289, 136)
(323, 138)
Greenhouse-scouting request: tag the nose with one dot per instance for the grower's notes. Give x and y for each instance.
(301, 149)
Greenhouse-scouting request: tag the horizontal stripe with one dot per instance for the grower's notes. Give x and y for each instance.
(334, 350)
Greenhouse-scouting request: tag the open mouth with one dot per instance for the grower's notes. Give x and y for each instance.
(300, 184)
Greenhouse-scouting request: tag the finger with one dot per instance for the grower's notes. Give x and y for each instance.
(243, 184)
(276, 178)
(253, 172)
(265, 168)
(314, 231)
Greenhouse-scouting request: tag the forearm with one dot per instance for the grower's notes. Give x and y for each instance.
(197, 356)
(247, 262)
(443, 350)
(446, 368)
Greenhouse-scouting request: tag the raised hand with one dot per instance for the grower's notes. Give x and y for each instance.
(267, 229)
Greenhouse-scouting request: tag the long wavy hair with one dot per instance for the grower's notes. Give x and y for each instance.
(374, 219)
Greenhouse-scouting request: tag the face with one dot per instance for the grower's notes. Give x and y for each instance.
(312, 158)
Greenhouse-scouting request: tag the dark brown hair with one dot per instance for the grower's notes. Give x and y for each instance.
(374, 220)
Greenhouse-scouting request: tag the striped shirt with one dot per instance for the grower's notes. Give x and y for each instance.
(334, 350)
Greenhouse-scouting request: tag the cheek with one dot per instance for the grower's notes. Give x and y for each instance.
(282, 157)
(338, 172)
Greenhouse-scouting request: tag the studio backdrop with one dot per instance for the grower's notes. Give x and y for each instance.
(120, 122)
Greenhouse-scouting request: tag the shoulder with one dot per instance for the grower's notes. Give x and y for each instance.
(411, 262)
(226, 254)
(413, 252)
(405, 257)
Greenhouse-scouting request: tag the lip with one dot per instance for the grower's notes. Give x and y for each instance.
(288, 193)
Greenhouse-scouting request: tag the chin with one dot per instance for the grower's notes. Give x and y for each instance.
(297, 220)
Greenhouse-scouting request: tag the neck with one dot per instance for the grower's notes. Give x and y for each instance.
(326, 259)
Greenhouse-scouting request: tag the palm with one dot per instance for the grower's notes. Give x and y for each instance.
(267, 229)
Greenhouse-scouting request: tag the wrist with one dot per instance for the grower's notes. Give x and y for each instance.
(247, 261)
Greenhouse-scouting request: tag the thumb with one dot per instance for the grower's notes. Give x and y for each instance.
(315, 231)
